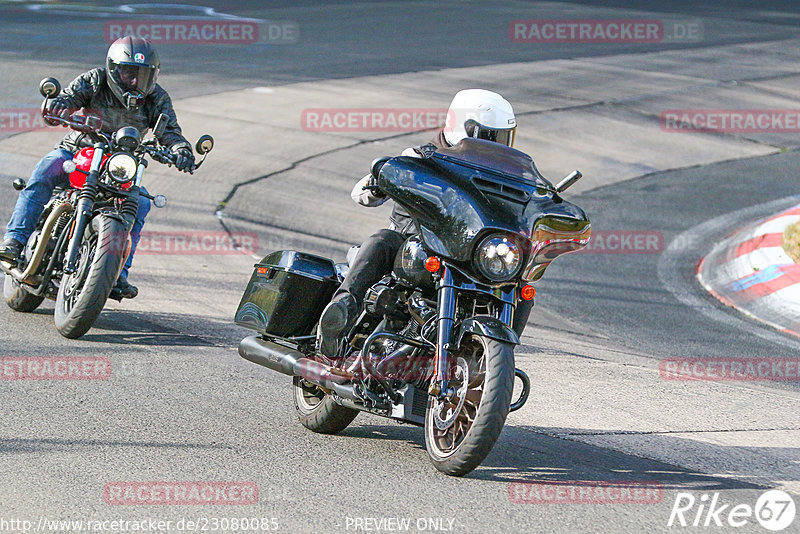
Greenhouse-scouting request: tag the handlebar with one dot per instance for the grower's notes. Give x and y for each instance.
(165, 156)
(161, 155)
(89, 125)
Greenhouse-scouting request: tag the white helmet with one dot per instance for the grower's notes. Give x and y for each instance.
(480, 114)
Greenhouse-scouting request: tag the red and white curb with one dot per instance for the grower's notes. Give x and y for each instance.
(750, 271)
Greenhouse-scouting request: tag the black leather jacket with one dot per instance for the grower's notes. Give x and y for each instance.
(91, 92)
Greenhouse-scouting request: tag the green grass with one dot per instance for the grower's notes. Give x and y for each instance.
(791, 241)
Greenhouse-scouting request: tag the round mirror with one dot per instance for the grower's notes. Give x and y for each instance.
(159, 201)
(49, 87)
(204, 144)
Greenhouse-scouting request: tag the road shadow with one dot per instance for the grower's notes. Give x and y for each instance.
(121, 327)
(527, 454)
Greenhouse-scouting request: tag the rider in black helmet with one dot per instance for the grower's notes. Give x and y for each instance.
(124, 93)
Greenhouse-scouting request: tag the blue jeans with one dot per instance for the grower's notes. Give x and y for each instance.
(48, 175)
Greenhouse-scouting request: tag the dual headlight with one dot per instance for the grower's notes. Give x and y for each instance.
(121, 168)
(498, 258)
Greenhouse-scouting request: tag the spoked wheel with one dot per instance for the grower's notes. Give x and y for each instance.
(460, 431)
(317, 411)
(82, 294)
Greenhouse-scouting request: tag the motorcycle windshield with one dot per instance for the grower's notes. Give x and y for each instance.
(460, 193)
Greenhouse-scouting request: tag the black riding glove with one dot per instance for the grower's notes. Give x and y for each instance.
(373, 188)
(184, 159)
(58, 108)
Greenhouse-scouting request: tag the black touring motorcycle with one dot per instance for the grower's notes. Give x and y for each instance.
(82, 238)
(433, 345)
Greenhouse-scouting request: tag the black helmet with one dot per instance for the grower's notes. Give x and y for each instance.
(132, 68)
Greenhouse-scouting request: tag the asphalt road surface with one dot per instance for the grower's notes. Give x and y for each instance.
(180, 406)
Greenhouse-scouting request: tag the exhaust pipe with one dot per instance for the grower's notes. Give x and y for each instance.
(292, 363)
(26, 277)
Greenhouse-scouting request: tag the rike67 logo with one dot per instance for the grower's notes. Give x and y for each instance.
(774, 510)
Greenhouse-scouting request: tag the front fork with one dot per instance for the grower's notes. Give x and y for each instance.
(447, 317)
(83, 211)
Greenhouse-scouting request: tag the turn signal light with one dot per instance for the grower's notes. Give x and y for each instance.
(433, 264)
(261, 270)
(528, 292)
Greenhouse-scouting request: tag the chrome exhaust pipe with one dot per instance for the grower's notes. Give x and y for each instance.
(26, 277)
(292, 363)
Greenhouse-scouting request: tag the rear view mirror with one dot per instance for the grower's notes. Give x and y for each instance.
(377, 165)
(49, 87)
(204, 144)
(570, 180)
(161, 126)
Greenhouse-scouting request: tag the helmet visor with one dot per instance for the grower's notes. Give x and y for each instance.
(134, 78)
(504, 136)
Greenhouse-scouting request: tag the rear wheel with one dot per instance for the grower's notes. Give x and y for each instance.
(18, 298)
(460, 432)
(317, 411)
(83, 294)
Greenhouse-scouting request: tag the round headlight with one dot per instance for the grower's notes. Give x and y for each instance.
(498, 258)
(121, 168)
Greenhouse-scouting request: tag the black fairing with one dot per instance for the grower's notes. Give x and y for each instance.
(461, 193)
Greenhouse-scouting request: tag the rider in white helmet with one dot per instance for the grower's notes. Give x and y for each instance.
(476, 113)
(480, 114)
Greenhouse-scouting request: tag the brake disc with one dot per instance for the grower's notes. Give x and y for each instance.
(445, 412)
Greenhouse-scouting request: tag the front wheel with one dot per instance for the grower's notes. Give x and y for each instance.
(460, 432)
(317, 411)
(82, 294)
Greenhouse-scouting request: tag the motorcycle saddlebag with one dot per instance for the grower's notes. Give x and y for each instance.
(287, 293)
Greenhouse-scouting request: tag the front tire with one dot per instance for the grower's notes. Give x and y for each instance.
(18, 298)
(317, 411)
(460, 434)
(83, 294)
